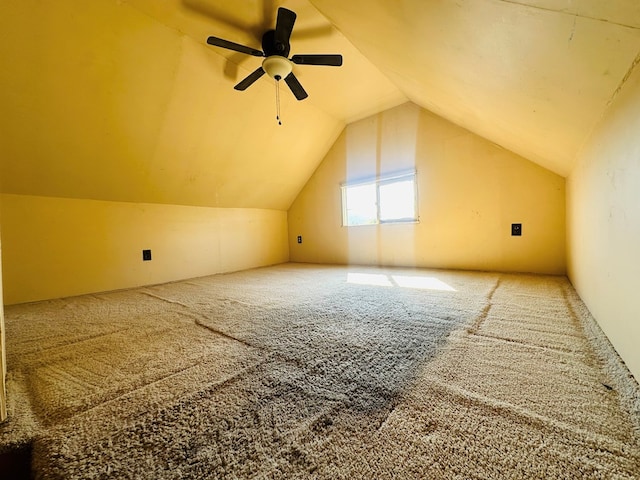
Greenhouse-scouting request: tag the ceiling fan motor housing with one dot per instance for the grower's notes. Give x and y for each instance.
(270, 46)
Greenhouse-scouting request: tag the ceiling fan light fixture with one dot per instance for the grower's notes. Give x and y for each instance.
(277, 67)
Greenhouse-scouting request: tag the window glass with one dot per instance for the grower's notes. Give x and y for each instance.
(360, 203)
(397, 201)
(386, 200)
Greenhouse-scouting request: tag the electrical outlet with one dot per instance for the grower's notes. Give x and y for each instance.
(299, 238)
(516, 229)
(146, 255)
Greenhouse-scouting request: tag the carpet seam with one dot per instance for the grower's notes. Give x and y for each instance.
(594, 439)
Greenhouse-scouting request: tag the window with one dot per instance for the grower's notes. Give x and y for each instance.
(386, 200)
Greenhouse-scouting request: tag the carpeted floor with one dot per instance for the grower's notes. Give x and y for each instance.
(301, 371)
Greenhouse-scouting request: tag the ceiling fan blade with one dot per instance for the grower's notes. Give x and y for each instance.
(284, 27)
(248, 81)
(295, 86)
(219, 42)
(330, 60)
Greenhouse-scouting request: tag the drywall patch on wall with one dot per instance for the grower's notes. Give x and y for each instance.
(470, 191)
(603, 223)
(55, 247)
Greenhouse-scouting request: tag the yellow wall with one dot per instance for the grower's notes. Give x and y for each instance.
(470, 191)
(603, 224)
(55, 247)
(3, 358)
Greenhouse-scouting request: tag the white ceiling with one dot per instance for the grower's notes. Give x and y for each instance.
(124, 100)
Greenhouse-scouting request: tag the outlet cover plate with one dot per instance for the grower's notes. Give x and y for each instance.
(516, 229)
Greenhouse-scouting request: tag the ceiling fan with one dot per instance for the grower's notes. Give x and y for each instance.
(275, 47)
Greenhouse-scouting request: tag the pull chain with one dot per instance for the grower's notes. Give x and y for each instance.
(278, 101)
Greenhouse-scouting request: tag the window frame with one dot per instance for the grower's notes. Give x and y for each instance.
(381, 181)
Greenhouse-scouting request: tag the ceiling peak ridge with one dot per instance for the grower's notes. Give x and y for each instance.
(633, 66)
(562, 11)
(366, 57)
(605, 111)
(133, 6)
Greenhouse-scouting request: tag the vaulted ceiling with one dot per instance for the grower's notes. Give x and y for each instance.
(533, 76)
(124, 100)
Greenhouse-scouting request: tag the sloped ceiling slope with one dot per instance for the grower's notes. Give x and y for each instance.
(533, 76)
(123, 100)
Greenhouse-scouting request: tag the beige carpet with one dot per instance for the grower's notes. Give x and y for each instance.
(300, 371)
